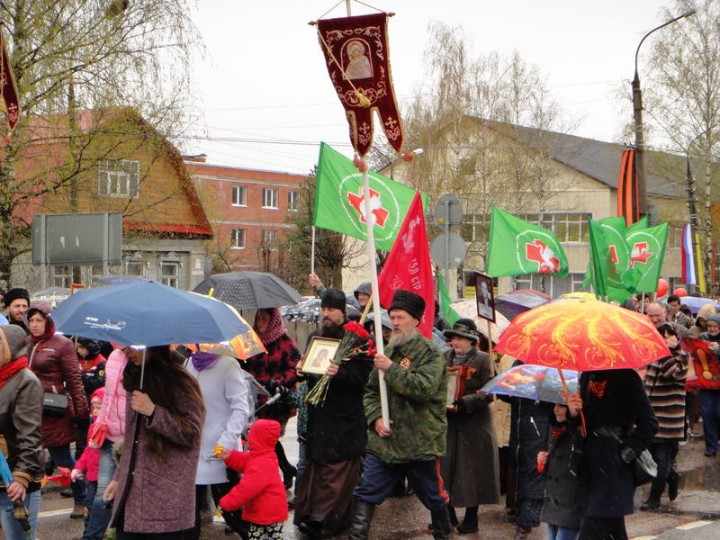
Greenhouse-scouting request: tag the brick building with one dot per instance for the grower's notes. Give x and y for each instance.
(250, 212)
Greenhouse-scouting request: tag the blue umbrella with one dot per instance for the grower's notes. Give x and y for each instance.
(696, 302)
(147, 313)
(540, 383)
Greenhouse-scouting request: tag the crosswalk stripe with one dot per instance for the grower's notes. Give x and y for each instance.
(693, 525)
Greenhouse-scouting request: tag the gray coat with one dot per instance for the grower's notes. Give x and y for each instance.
(563, 495)
(470, 468)
(158, 496)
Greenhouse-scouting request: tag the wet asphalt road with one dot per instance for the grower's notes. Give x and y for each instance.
(405, 518)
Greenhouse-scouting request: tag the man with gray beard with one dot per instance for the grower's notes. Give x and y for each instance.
(416, 377)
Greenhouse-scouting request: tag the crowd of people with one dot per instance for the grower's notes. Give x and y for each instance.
(157, 432)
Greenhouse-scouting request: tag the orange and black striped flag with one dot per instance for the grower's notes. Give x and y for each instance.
(627, 197)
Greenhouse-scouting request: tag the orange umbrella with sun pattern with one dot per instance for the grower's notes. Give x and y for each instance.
(584, 335)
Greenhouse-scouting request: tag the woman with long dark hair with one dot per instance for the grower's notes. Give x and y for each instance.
(154, 485)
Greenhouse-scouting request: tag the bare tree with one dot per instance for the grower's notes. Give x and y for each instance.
(485, 126)
(77, 55)
(682, 99)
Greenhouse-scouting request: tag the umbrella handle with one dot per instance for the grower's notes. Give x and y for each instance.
(562, 381)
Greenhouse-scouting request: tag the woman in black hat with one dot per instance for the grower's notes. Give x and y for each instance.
(470, 467)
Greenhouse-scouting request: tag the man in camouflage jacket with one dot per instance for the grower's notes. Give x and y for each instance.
(416, 377)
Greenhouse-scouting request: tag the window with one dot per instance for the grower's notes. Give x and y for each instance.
(118, 178)
(239, 196)
(269, 198)
(568, 227)
(237, 238)
(293, 201)
(62, 276)
(269, 238)
(135, 267)
(169, 273)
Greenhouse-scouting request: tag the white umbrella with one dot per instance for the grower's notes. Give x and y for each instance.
(468, 310)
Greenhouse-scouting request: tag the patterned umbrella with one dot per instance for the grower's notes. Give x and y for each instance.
(584, 335)
(540, 383)
(249, 290)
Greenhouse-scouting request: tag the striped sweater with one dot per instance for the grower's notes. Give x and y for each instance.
(665, 386)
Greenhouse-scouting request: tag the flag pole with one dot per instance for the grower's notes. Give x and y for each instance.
(312, 250)
(370, 224)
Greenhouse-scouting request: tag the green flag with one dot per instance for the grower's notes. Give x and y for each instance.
(448, 313)
(609, 269)
(340, 206)
(647, 251)
(518, 247)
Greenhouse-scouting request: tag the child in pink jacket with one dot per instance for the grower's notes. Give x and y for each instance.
(260, 492)
(89, 463)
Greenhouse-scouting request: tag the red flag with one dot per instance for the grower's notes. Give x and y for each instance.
(627, 196)
(408, 265)
(356, 52)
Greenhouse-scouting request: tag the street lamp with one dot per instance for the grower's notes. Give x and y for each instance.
(637, 109)
(692, 201)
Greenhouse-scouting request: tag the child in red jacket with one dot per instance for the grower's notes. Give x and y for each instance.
(88, 464)
(260, 492)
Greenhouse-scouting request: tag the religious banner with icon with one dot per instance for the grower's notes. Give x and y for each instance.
(356, 53)
(9, 101)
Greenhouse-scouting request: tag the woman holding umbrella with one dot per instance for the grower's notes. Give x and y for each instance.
(53, 360)
(612, 401)
(470, 433)
(275, 370)
(153, 488)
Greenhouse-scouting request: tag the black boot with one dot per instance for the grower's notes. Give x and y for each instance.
(453, 518)
(288, 471)
(441, 527)
(362, 516)
(673, 484)
(470, 521)
(656, 490)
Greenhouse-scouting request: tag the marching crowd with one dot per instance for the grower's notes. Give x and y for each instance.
(157, 431)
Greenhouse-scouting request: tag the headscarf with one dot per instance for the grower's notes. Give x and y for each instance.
(275, 328)
(44, 308)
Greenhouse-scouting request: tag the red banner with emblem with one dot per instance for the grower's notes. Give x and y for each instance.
(705, 362)
(356, 53)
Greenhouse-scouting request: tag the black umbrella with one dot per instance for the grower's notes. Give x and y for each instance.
(249, 290)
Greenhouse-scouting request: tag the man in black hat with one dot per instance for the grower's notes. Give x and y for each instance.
(336, 434)
(411, 446)
(16, 302)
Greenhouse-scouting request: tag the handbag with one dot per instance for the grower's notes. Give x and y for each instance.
(645, 468)
(55, 404)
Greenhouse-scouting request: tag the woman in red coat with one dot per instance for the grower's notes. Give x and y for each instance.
(53, 360)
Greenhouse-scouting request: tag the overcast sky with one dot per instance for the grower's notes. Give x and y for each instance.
(264, 77)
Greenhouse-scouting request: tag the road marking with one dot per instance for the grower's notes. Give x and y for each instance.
(52, 513)
(643, 538)
(693, 525)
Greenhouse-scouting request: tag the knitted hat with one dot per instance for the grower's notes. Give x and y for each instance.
(410, 302)
(333, 299)
(14, 346)
(14, 294)
(464, 328)
(715, 317)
